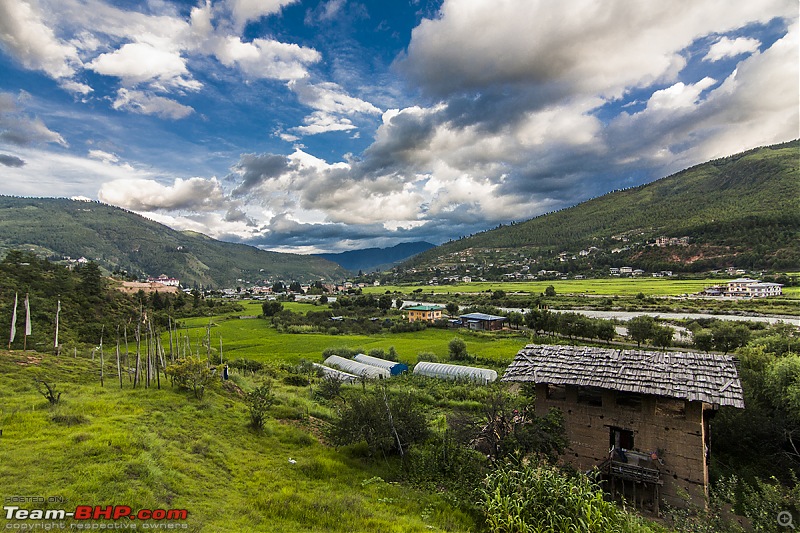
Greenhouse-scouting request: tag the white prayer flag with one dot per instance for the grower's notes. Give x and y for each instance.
(13, 322)
(27, 316)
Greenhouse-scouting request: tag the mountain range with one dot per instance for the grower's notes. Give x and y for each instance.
(372, 259)
(119, 240)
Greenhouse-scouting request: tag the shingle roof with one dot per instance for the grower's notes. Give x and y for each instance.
(691, 376)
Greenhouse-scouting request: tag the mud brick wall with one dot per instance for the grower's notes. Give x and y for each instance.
(675, 429)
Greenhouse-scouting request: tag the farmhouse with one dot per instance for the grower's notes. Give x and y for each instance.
(482, 321)
(428, 313)
(641, 417)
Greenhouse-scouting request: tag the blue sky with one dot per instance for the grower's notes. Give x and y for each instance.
(331, 125)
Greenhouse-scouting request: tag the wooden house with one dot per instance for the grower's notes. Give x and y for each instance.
(641, 417)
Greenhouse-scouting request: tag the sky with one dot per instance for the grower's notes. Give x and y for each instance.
(333, 125)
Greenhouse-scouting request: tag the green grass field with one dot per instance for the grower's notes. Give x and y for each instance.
(257, 339)
(605, 287)
(163, 449)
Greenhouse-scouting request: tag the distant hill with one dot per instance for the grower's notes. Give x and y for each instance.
(371, 259)
(120, 240)
(742, 211)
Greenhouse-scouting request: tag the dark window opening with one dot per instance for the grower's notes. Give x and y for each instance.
(629, 399)
(556, 392)
(590, 396)
(620, 439)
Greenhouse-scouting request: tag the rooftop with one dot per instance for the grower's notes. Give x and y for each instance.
(424, 308)
(691, 376)
(482, 316)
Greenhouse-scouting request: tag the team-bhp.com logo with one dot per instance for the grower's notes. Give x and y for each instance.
(96, 512)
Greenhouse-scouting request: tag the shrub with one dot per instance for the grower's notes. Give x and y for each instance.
(259, 401)
(458, 349)
(387, 423)
(194, 374)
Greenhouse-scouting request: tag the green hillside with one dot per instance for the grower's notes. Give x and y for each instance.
(120, 240)
(742, 210)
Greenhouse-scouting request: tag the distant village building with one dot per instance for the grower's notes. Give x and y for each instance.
(641, 417)
(745, 288)
(482, 321)
(428, 313)
(165, 280)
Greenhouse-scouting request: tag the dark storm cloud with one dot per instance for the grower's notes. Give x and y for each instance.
(252, 170)
(11, 161)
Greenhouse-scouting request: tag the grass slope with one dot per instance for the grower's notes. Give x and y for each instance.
(163, 449)
(116, 238)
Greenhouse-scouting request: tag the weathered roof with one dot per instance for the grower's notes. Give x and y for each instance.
(482, 316)
(687, 375)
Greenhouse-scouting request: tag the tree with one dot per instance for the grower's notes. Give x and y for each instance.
(641, 328)
(662, 336)
(605, 331)
(278, 287)
(451, 308)
(457, 350)
(399, 303)
(703, 340)
(516, 319)
(295, 287)
(550, 291)
(91, 279)
(271, 308)
(728, 337)
(323, 299)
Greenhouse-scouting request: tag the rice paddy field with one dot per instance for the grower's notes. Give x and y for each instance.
(601, 287)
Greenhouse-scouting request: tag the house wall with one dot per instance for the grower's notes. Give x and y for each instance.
(428, 316)
(675, 429)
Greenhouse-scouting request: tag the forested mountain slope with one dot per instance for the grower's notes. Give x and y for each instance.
(742, 210)
(121, 240)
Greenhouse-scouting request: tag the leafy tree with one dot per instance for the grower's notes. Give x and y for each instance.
(278, 286)
(516, 319)
(457, 349)
(452, 308)
(662, 336)
(399, 303)
(295, 287)
(550, 291)
(271, 308)
(703, 339)
(605, 330)
(728, 337)
(641, 328)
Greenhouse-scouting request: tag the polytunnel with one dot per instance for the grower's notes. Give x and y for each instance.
(393, 367)
(329, 372)
(359, 369)
(444, 371)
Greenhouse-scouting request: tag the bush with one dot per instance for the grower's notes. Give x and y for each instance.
(194, 374)
(387, 423)
(296, 380)
(259, 401)
(458, 350)
(329, 388)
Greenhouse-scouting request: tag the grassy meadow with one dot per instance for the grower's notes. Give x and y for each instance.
(255, 338)
(164, 449)
(601, 287)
